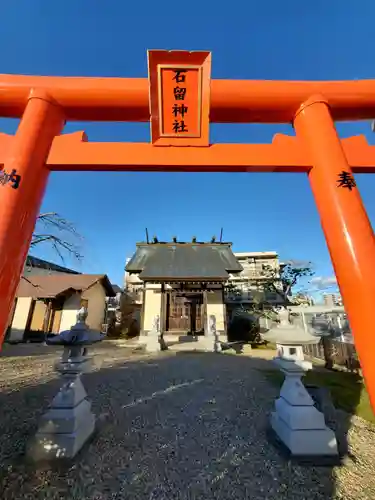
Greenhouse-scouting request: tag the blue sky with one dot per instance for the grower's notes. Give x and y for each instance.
(317, 39)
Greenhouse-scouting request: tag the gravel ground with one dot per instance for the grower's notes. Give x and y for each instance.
(171, 426)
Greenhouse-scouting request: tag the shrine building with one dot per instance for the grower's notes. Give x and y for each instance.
(183, 284)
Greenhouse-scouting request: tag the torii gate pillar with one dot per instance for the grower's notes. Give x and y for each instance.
(20, 203)
(347, 229)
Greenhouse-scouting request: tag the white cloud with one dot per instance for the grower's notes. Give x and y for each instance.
(323, 282)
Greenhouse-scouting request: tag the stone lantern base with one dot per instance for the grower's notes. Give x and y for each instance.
(298, 424)
(208, 343)
(66, 426)
(304, 442)
(153, 341)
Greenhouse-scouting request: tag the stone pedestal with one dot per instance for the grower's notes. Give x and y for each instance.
(209, 342)
(297, 423)
(153, 341)
(69, 422)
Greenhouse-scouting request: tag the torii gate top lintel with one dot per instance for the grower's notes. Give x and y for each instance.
(180, 100)
(232, 101)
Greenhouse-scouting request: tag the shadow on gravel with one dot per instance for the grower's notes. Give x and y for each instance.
(182, 426)
(27, 350)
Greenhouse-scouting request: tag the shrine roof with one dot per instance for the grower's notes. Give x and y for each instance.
(183, 261)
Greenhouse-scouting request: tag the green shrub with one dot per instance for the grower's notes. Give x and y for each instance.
(243, 328)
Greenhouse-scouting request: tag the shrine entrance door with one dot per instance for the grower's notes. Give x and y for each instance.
(184, 313)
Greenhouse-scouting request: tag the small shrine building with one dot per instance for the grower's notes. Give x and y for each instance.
(183, 284)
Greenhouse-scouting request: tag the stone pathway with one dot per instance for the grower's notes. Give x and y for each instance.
(171, 426)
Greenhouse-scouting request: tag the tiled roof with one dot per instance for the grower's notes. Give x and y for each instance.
(184, 261)
(43, 286)
(35, 262)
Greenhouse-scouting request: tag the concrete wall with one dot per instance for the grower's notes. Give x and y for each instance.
(21, 315)
(216, 307)
(96, 306)
(95, 296)
(69, 313)
(152, 306)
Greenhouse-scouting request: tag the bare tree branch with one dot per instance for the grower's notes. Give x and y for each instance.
(58, 232)
(61, 224)
(61, 241)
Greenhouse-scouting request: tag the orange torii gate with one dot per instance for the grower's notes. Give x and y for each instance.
(180, 100)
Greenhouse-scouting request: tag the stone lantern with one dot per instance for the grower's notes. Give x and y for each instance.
(69, 422)
(296, 422)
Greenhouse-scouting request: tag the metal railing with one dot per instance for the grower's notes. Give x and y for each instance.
(238, 297)
(251, 274)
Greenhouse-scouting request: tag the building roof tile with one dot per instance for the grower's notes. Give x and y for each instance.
(48, 286)
(177, 261)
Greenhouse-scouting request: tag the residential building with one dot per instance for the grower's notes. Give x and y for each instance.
(247, 286)
(113, 311)
(332, 299)
(49, 303)
(181, 283)
(133, 286)
(114, 303)
(302, 299)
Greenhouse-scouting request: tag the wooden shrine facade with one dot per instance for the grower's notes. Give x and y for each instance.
(184, 306)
